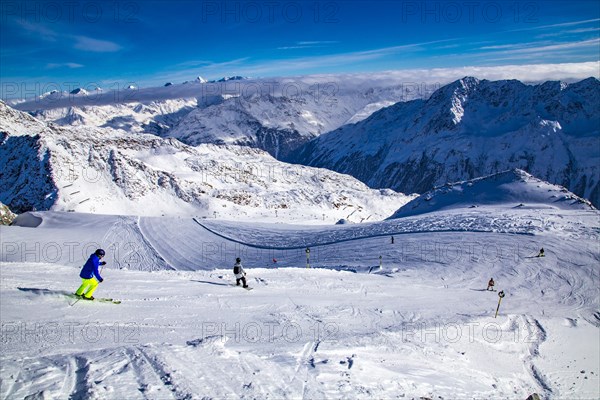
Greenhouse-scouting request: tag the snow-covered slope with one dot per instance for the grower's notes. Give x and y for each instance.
(422, 326)
(103, 170)
(513, 189)
(473, 128)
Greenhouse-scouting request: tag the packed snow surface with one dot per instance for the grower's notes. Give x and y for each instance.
(422, 325)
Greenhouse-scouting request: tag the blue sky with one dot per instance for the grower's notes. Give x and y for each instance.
(58, 45)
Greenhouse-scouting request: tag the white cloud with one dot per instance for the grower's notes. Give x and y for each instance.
(317, 42)
(63, 65)
(308, 44)
(553, 47)
(79, 42)
(572, 23)
(525, 73)
(39, 31)
(86, 43)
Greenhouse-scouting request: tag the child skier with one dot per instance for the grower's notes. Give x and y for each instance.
(240, 274)
(90, 275)
(491, 284)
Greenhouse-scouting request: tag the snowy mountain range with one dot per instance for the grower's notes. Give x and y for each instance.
(383, 131)
(103, 170)
(472, 128)
(276, 115)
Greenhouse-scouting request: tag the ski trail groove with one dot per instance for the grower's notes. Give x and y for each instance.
(69, 383)
(12, 385)
(136, 362)
(538, 334)
(81, 386)
(161, 370)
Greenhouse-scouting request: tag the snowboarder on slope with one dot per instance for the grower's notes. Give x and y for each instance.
(90, 275)
(240, 274)
(491, 284)
(541, 253)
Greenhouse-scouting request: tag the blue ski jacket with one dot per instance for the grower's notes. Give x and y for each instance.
(90, 268)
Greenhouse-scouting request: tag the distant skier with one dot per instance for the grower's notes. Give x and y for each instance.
(90, 275)
(541, 253)
(392, 240)
(240, 274)
(491, 284)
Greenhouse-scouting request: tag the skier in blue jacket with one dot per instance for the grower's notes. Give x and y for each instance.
(90, 275)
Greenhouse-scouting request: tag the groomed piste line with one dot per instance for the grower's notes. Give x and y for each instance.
(148, 243)
(327, 243)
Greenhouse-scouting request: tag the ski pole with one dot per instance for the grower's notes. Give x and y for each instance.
(500, 295)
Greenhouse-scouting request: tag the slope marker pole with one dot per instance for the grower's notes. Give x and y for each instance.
(500, 295)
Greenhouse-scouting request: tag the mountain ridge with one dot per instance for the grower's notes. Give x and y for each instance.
(513, 188)
(107, 171)
(472, 128)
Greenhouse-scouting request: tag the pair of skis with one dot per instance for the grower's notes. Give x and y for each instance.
(98, 299)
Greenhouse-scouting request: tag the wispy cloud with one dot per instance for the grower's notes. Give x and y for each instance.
(318, 42)
(526, 73)
(567, 32)
(282, 66)
(308, 44)
(505, 46)
(86, 43)
(250, 67)
(79, 42)
(39, 31)
(533, 48)
(193, 64)
(572, 23)
(63, 65)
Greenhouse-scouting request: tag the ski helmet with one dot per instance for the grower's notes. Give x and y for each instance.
(100, 253)
(238, 260)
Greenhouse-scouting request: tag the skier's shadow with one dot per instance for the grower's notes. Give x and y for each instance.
(210, 283)
(43, 291)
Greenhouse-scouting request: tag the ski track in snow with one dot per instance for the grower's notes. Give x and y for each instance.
(127, 236)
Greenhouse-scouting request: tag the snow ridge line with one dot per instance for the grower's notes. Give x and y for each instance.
(327, 243)
(150, 246)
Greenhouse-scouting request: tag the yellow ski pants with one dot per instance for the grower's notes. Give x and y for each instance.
(87, 288)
